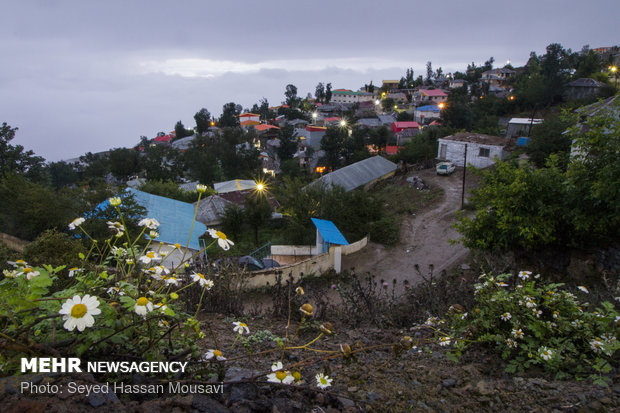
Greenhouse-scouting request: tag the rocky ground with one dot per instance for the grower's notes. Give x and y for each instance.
(421, 379)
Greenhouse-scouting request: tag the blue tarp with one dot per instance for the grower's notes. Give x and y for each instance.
(522, 141)
(329, 232)
(175, 217)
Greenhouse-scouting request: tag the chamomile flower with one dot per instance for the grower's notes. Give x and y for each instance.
(202, 281)
(78, 312)
(201, 189)
(299, 291)
(584, 289)
(241, 328)
(511, 343)
(150, 256)
(222, 240)
(18, 263)
(517, 333)
(444, 341)
(323, 381)
(75, 271)
(170, 280)
(115, 290)
(524, 275)
(280, 376)
(153, 234)
(116, 226)
(150, 223)
(214, 354)
(29, 273)
(501, 284)
(505, 316)
(143, 306)
(306, 309)
(76, 223)
(545, 353)
(161, 307)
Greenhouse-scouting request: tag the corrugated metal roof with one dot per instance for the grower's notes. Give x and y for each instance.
(329, 232)
(175, 218)
(211, 208)
(234, 185)
(357, 174)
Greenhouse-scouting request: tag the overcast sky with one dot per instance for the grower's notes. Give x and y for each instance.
(85, 76)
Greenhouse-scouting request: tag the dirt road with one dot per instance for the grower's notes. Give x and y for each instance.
(423, 238)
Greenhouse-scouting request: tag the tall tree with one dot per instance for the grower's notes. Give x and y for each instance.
(230, 115)
(319, 92)
(328, 93)
(429, 73)
(203, 120)
(124, 162)
(179, 130)
(13, 159)
(291, 95)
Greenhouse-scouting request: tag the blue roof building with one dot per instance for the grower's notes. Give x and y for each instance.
(327, 234)
(175, 217)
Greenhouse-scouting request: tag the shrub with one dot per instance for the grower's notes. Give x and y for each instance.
(531, 323)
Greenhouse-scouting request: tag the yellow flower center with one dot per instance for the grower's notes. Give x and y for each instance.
(217, 353)
(142, 301)
(323, 380)
(177, 245)
(297, 375)
(150, 254)
(20, 262)
(280, 375)
(28, 270)
(78, 311)
(221, 235)
(200, 275)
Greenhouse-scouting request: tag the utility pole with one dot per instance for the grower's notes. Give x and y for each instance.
(464, 171)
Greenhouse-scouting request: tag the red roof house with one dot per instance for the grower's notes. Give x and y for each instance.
(401, 126)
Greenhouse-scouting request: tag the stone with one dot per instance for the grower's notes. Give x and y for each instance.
(203, 403)
(242, 391)
(346, 402)
(448, 383)
(372, 396)
(97, 399)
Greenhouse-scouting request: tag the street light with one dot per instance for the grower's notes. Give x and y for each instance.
(343, 123)
(614, 71)
(441, 105)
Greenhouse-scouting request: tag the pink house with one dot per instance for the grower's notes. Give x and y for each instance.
(434, 95)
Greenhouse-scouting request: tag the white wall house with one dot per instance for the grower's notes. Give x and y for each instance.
(481, 149)
(348, 96)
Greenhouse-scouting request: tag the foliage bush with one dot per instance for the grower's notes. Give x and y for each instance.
(532, 323)
(56, 249)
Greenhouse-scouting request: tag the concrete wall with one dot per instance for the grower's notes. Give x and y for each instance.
(455, 151)
(315, 265)
(12, 242)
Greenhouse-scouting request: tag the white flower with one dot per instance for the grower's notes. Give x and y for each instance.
(584, 289)
(115, 290)
(153, 234)
(524, 275)
(116, 226)
(537, 313)
(29, 273)
(79, 311)
(74, 271)
(170, 280)
(76, 223)
(18, 263)
(502, 284)
(608, 338)
(323, 381)
(158, 272)
(150, 256)
(200, 279)
(444, 341)
(518, 333)
(545, 353)
(160, 306)
(505, 316)
(241, 327)
(511, 343)
(299, 291)
(201, 189)
(214, 353)
(150, 223)
(143, 306)
(596, 345)
(222, 241)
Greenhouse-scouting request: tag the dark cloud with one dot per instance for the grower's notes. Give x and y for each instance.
(82, 76)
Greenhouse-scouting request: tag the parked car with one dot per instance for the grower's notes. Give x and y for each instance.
(247, 262)
(445, 168)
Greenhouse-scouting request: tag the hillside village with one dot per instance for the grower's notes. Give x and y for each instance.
(337, 199)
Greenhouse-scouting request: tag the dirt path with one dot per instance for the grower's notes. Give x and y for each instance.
(423, 238)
